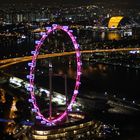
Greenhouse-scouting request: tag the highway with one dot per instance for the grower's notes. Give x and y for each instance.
(11, 61)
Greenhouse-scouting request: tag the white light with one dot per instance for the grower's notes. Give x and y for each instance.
(16, 81)
(23, 36)
(124, 99)
(114, 96)
(59, 96)
(75, 91)
(78, 109)
(44, 90)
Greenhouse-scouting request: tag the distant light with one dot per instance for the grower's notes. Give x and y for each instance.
(50, 65)
(124, 99)
(134, 52)
(78, 109)
(23, 36)
(114, 96)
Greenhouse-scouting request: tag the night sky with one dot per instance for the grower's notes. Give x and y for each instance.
(69, 1)
(129, 3)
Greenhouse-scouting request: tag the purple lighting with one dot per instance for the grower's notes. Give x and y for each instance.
(39, 116)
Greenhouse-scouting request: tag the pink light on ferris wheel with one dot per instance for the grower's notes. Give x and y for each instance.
(31, 76)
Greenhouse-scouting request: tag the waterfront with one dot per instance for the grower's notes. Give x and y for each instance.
(97, 79)
(98, 82)
(38, 93)
(100, 78)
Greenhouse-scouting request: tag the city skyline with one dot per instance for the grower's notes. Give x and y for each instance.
(53, 51)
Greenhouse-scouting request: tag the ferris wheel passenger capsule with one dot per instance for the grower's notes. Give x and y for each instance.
(34, 52)
(31, 76)
(75, 91)
(77, 46)
(30, 100)
(31, 89)
(54, 25)
(34, 110)
(31, 64)
(38, 42)
(43, 122)
(65, 27)
(71, 31)
(79, 73)
(38, 117)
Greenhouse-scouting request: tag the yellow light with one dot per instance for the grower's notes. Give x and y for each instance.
(114, 22)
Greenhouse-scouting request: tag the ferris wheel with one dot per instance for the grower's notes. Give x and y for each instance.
(31, 76)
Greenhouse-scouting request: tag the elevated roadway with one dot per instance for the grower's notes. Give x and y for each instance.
(8, 62)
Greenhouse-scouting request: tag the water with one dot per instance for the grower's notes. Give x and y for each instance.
(100, 78)
(96, 79)
(122, 82)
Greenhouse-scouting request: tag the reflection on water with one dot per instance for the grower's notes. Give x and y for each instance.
(10, 125)
(113, 36)
(71, 72)
(2, 96)
(12, 114)
(86, 70)
(95, 77)
(100, 78)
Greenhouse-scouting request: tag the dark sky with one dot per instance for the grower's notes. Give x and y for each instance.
(69, 1)
(129, 2)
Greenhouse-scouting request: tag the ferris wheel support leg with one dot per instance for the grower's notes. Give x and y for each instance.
(66, 94)
(50, 84)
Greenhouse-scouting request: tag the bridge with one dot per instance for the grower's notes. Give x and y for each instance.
(12, 61)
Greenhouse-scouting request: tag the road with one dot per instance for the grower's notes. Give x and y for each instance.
(8, 62)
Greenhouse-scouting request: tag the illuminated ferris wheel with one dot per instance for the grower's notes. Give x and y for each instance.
(31, 76)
